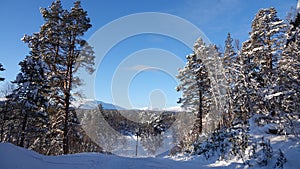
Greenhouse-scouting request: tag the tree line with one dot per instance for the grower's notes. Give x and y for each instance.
(260, 80)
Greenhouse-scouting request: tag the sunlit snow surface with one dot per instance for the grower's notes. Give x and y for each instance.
(13, 157)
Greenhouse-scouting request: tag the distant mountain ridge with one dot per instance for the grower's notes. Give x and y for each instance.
(109, 106)
(92, 104)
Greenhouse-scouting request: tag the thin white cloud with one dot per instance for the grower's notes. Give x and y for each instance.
(140, 68)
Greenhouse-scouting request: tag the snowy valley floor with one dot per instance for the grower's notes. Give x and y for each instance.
(13, 157)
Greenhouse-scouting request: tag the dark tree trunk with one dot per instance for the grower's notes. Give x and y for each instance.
(23, 135)
(67, 109)
(66, 126)
(199, 115)
(68, 88)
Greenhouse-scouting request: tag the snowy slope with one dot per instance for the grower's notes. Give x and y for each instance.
(12, 157)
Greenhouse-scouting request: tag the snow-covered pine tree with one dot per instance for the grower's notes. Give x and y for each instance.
(31, 96)
(64, 50)
(242, 89)
(263, 50)
(286, 95)
(195, 86)
(229, 61)
(211, 58)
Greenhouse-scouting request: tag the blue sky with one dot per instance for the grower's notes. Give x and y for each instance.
(214, 17)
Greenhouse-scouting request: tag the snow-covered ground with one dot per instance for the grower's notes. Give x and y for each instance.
(13, 157)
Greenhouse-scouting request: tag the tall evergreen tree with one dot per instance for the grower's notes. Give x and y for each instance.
(229, 65)
(211, 58)
(263, 50)
(30, 96)
(195, 85)
(242, 90)
(286, 96)
(64, 50)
